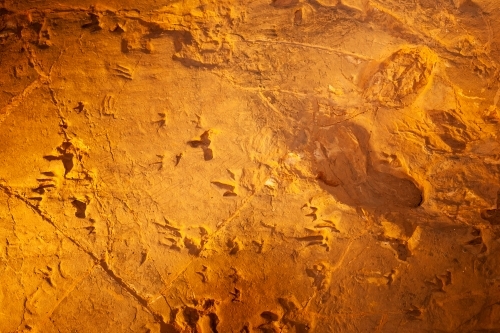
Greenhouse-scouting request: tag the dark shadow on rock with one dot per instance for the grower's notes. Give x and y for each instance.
(492, 215)
(346, 171)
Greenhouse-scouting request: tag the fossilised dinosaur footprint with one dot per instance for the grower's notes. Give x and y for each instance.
(81, 207)
(398, 80)
(492, 215)
(94, 23)
(65, 156)
(345, 168)
(189, 318)
(204, 143)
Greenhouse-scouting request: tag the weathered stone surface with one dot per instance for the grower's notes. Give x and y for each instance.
(249, 166)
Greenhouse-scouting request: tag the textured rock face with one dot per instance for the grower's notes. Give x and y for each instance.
(249, 166)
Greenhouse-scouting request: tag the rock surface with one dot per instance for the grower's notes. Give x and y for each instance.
(249, 166)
